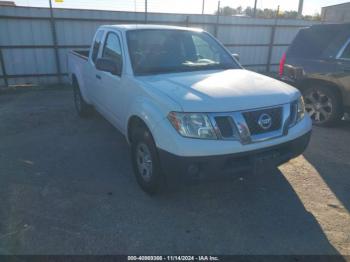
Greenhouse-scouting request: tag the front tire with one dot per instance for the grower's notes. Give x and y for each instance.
(145, 161)
(83, 109)
(323, 105)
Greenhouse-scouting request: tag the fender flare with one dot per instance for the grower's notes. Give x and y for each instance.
(78, 77)
(337, 87)
(147, 112)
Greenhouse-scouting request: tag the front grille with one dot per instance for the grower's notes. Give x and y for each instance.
(252, 119)
(224, 124)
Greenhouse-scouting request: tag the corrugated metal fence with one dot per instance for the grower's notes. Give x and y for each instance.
(34, 42)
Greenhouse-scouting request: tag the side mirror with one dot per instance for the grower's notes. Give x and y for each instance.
(236, 56)
(108, 65)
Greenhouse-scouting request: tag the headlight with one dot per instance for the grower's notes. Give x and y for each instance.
(195, 125)
(297, 111)
(300, 109)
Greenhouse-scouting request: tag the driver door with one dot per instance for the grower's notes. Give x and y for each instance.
(110, 89)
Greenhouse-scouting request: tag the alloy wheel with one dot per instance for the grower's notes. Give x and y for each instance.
(144, 161)
(318, 105)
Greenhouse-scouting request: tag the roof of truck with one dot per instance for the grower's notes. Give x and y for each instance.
(127, 27)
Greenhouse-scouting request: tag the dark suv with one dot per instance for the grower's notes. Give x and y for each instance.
(318, 63)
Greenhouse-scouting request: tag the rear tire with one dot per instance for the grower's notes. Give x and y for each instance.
(145, 161)
(323, 105)
(83, 109)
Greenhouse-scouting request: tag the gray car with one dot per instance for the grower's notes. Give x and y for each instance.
(318, 63)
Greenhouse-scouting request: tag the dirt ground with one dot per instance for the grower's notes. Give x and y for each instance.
(66, 187)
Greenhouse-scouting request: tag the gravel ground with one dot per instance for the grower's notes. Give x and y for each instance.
(66, 187)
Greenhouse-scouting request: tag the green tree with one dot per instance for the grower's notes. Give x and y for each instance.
(264, 13)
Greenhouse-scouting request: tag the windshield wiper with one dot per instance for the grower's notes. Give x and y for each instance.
(163, 70)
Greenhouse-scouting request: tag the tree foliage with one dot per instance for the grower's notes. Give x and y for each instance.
(263, 13)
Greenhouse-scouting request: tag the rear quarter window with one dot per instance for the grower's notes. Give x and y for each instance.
(96, 45)
(314, 43)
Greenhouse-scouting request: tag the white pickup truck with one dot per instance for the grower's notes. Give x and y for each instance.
(185, 104)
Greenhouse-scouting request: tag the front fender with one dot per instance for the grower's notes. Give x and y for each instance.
(147, 111)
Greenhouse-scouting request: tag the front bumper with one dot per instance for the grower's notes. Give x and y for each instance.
(184, 168)
(168, 139)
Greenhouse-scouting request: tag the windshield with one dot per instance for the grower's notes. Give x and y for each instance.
(154, 51)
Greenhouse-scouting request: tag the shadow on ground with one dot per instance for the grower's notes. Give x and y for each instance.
(329, 153)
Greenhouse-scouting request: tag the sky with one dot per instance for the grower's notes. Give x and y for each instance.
(182, 6)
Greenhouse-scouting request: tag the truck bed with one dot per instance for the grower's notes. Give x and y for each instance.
(84, 54)
(77, 62)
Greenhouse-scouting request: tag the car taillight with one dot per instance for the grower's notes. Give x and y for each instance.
(282, 62)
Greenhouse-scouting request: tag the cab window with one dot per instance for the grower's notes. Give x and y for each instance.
(96, 45)
(112, 49)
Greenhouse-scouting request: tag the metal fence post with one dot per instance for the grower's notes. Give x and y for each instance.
(54, 39)
(187, 21)
(3, 69)
(272, 40)
(146, 11)
(216, 29)
(255, 3)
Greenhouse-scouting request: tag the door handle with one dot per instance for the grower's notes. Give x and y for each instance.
(98, 77)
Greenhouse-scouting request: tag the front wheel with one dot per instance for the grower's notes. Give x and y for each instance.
(323, 105)
(145, 161)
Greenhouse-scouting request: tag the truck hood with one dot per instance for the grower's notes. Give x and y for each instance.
(220, 91)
